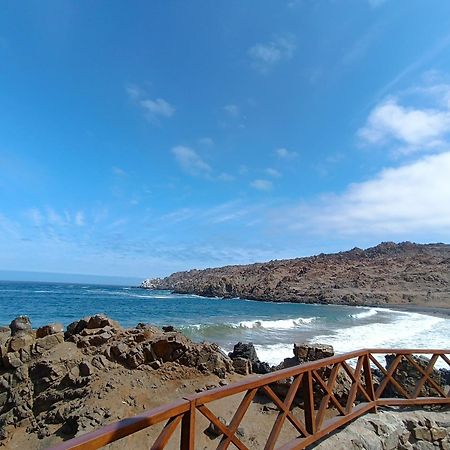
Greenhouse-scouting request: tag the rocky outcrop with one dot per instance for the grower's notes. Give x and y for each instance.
(46, 375)
(245, 360)
(392, 429)
(406, 273)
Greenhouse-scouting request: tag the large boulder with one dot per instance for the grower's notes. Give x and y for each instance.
(248, 352)
(20, 325)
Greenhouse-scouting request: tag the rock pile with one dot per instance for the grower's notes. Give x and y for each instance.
(46, 374)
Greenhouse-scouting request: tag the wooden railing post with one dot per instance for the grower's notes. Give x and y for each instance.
(308, 400)
(369, 380)
(187, 441)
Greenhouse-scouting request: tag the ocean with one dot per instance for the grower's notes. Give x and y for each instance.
(272, 327)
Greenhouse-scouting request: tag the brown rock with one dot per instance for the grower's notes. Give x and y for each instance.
(312, 352)
(49, 341)
(101, 321)
(19, 341)
(47, 330)
(422, 434)
(438, 433)
(242, 366)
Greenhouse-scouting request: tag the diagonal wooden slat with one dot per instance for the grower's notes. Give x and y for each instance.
(281, 406)
(329, 395)
(166, 433)
(236, 420)
(420, 383)
(308, 400)
(427, 377)
(356, 382)
(279, 421)
(445, 358)
(223, 428)
(388, 377)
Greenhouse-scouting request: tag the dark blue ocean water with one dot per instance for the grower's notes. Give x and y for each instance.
(273, 327)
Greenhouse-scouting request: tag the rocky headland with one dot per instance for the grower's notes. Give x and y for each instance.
(388, 274)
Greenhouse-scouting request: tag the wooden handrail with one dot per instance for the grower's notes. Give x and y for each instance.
(306, 378)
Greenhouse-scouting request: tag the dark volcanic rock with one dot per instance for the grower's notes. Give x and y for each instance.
(247, 351)
(20, 325)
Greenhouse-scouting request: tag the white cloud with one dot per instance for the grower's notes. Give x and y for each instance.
(273, 172)
(190, 161)
(267, 55)
(262, 185)
(396, 202)
(284, 153)
(153, 108)
(413, 128)
(232, 110)
(158, 107)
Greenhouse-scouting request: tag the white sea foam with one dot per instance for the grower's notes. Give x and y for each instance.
(284, 324)
(365, 314)
(274, 353)
(408, 329)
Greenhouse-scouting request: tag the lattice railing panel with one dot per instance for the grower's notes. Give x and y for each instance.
(296, 406)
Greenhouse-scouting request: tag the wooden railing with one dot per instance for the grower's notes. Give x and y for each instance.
(309, 402)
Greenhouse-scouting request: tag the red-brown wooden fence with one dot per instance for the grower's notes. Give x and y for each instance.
(311, 388)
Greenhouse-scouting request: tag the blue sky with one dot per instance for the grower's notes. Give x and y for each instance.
(141, 138)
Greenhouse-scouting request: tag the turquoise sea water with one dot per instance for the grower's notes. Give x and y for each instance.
(272, 327)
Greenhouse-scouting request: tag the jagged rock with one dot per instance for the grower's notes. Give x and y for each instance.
(312, 352)
(47, 342)
(101, 321)
(242, 366)
(20, 325)
(85, 369)
(248, 351)
(19, 341)
(47, 330)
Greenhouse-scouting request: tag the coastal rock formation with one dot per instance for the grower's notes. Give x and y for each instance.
(247, 352)
(393, 429)
(48, 378)
(402, 274)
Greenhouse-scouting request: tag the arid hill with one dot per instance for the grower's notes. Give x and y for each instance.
(387, 274)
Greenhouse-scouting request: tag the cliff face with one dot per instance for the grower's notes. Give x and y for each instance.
(406, 273)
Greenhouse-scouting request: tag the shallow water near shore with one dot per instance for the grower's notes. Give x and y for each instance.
(272, 327)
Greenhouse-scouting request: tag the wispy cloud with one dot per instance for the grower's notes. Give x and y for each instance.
(190, 161)
(232, 110)
(154, 108)
(264, 56)
(273, 172)
(262, 185)
(119, 171)
(284, 153)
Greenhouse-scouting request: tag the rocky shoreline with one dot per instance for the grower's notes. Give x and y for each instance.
(404, 274)
(56, 384)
